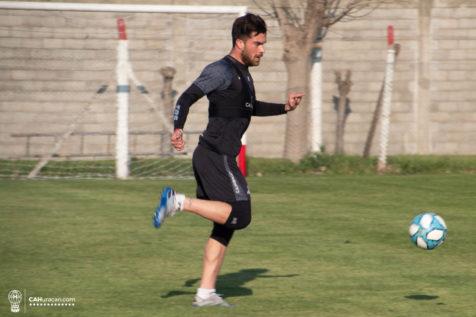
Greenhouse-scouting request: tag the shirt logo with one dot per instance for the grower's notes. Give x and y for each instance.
(177, 112)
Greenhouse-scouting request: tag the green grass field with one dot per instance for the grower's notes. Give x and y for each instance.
(318, 246)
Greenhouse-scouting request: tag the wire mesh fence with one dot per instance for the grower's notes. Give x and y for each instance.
(58, 92)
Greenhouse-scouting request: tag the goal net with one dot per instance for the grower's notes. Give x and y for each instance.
(88, 90)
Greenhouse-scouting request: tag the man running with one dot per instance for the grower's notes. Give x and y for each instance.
(222, 192)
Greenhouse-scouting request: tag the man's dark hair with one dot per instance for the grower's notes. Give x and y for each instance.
(244, 26)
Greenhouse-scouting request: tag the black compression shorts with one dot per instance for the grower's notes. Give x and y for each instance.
(218, 177)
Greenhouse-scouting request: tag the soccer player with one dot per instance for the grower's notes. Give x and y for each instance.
(222, 192)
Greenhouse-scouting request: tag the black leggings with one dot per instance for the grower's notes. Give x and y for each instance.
(240, 218)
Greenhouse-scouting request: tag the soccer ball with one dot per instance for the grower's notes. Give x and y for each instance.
(428, 230)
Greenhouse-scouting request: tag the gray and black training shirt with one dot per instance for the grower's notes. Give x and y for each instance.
(221, 81)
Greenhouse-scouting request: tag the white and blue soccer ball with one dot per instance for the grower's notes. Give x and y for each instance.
(428, 230)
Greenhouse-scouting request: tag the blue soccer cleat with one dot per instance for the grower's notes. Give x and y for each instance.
(167, 207)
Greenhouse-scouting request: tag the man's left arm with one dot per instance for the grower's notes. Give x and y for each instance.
(262, 108)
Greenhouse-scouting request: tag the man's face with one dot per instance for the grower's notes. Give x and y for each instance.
(253, 49)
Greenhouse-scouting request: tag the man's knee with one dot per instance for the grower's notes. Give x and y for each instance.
(240, 216)
(222, 234)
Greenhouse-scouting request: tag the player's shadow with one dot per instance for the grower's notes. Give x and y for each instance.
(421, 297)
(230, 284)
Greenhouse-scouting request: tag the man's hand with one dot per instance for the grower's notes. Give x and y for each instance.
(177, 140)
(294, 98)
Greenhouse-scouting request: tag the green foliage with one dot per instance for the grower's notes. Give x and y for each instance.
(323, 163)
(338, 164)
(271, 166)
(431, 164)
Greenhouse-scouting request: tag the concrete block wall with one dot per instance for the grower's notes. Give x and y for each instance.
(53, 62)
(433, 99)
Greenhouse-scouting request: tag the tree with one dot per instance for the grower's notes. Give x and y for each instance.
(343, 108)
(304, 25)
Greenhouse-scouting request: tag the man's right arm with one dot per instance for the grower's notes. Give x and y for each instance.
(187, 99)
(215, 76)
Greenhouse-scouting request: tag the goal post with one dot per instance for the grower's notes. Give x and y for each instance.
(122, 130)
(137, 8)
(77, 126)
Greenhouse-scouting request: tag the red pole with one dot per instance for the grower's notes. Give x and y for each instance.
(121, 26)
(242, 157)
(390, 35)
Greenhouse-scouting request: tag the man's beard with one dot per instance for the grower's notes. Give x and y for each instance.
(247, 60)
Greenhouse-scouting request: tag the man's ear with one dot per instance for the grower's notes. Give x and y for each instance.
(240, 44)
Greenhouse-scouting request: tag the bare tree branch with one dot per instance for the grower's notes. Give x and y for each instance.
(314, 20)
(271, 14)
(293, 14)
(339, 17)
(334, 8)
(287, 26)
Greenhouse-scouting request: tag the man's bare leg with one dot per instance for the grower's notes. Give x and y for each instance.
(212, 262)
(215, 211)
(214, 253)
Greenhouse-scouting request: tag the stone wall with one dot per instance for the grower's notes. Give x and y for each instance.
(53, 62)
